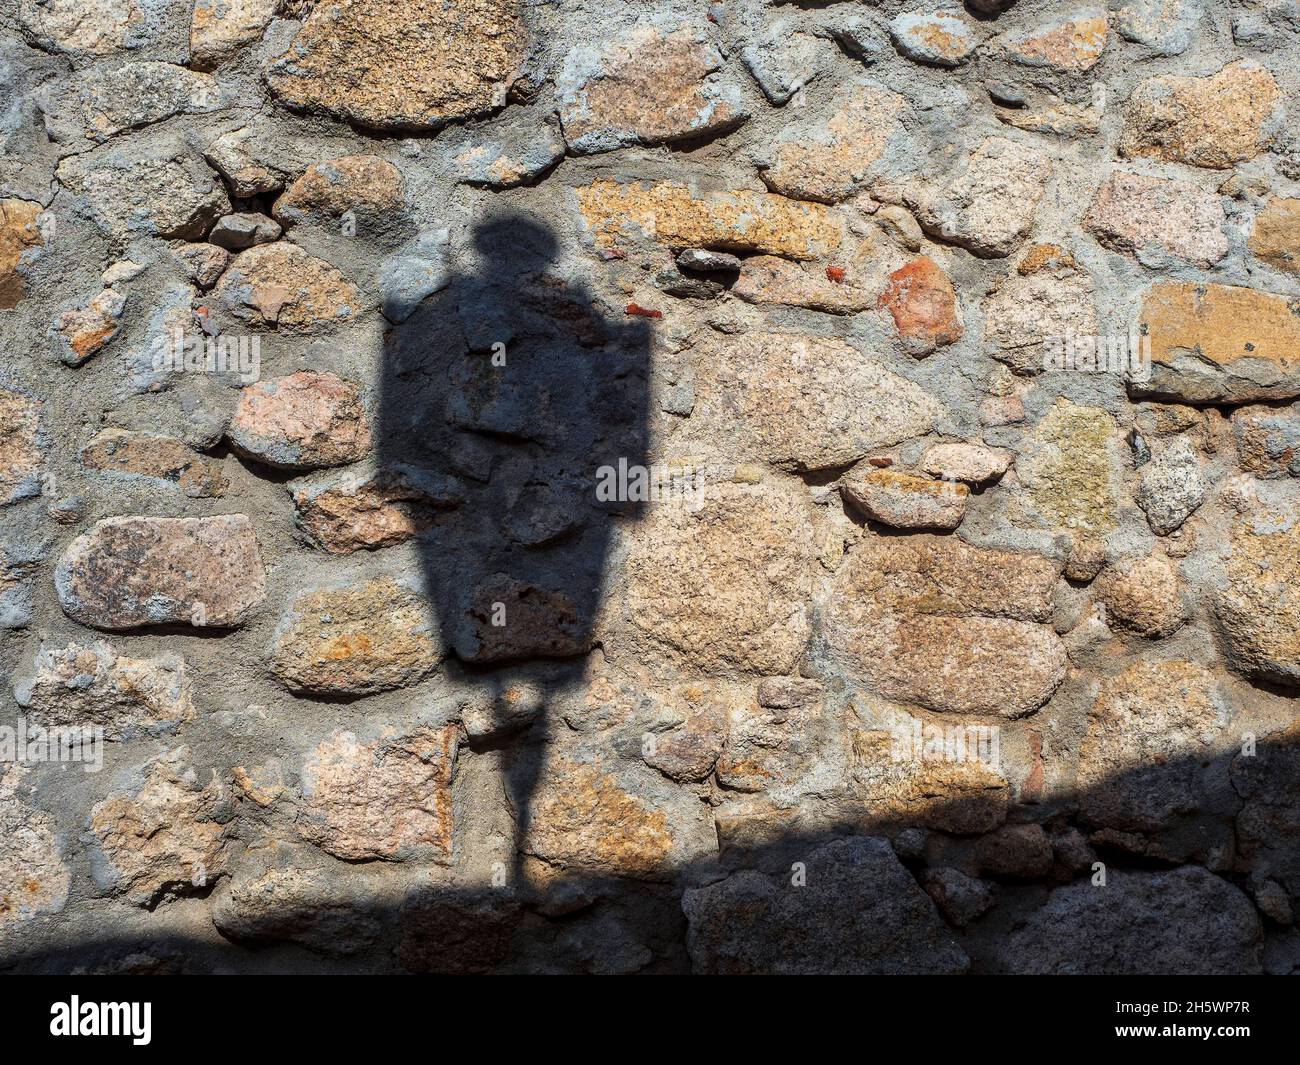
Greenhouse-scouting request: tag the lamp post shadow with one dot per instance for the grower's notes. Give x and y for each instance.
(514, 385)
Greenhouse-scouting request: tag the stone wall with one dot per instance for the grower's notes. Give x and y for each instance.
(622, 487)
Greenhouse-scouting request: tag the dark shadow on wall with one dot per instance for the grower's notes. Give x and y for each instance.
(513, 385)
(503, 395)
(862, 908)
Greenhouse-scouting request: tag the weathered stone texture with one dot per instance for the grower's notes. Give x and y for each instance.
(130, 572)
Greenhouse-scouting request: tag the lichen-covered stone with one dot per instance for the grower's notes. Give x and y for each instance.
(1171, 486)
(87, 686)
(389, 799)
(1165, 26)
(962, 797)
(131, 572)
(356, 640)
(83, 331)
(102, 28)
(905, 501)
(409, 64)
(1069, 470)
(168, 836)
(1212, 121)
(672, 214)
(146, 189)
(304, 421)
(22, 446)
(584, 819)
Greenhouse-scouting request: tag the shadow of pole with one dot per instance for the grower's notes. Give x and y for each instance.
(514, 381)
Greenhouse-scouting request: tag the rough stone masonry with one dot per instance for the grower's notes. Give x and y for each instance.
(943, 616)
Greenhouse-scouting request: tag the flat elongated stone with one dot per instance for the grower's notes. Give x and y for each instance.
(1072, 44)
(907, 502)
(801, 402)
(402, 64)
(672, 214)
(130, 572)
(1220, 343)
(154, 458)
(98, 104)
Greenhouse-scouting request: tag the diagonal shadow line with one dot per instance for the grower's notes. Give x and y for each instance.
(465, 930)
